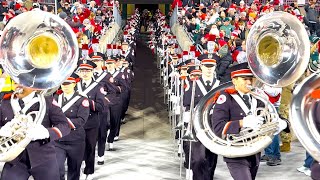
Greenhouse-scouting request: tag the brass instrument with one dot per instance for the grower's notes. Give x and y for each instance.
(278, 51)
(39, 54)
(302, 110)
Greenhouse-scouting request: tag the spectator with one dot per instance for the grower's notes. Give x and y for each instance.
(66, 8)
(307, 165)
(50, 9)
(213, 16)
(312, 15)
(224, 63)
(227, 27)
(272, 153)
(225, 3)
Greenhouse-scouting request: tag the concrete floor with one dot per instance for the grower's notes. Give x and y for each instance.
(145, 150)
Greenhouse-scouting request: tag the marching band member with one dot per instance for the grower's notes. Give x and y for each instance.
(128, 53)
(76, 109)
(107, 82)
(128, 77)
(203, 161)
(232, 111)
(39, 157)
(315, 168)
(87, 87)
(115, 107)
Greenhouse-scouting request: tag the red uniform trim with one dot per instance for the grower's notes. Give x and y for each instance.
(57, 131)
(241, 72)
(72, 126)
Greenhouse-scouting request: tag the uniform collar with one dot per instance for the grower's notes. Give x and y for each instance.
(88, 82)
(28, 98)
(68, 96)
(241, 94)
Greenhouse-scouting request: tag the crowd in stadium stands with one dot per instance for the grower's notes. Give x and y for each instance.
(89, 20)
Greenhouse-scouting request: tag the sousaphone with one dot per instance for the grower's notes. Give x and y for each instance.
(278, 52)
(38, 50)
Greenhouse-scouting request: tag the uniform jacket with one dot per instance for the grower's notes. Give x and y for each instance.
(200, 91)
(54, 120)
(109, 86)
(128, 75)
(315, 168)
(225, 120)
(77, 115)
(97, 103)
(120, 81)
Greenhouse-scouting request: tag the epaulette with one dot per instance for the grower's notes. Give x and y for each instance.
(228, 91)
(231, 91)
(215, 97)
(59, 92)
(315, 94)
(7, 96)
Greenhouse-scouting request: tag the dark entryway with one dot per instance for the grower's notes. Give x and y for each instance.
(150, 7)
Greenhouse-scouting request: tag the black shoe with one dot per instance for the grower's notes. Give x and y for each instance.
(265, 158)
(100, 162)
(274, 162)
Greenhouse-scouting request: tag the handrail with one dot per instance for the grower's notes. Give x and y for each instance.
(117, 15)
(174, 16)
(199, 48)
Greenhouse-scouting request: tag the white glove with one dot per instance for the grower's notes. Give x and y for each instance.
(174, 99)
(15, 125)
(37, 132)
(252, 121)
(7, 130)
(281, 126)
(186, 116)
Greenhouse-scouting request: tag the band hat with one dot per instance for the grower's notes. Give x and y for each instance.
(206, 59)
(111, 59)
(85, 64)
(196, 72)
(241, 70)
(96, 56)
(74, 78)
(208, 62)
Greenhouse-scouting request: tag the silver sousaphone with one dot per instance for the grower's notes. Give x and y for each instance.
(278, 52)
(38, 50)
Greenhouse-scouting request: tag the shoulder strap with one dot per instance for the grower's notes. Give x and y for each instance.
(243, 106)
(201, 87)
(239, 100)
(91, 86)
(60, 100)
(70, 103)
(115, 74)
(216, 84)
(103, 75)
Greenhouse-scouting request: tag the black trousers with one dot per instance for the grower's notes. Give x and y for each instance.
(102, 136)
(72, 152)
(315, 170)
(203, 162)
(89, 153)
(22, 170)
(115, 120)
(125, 104)
(243, 170)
